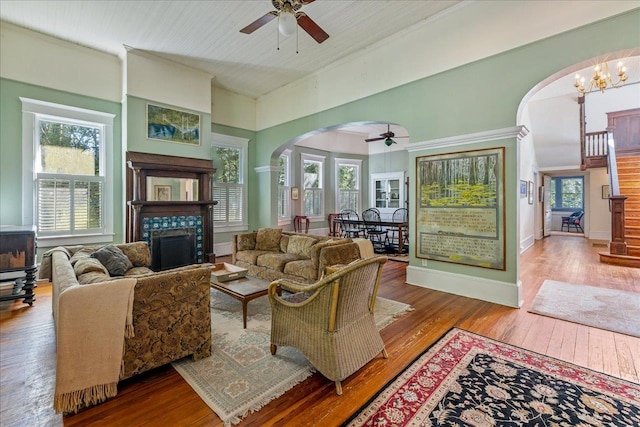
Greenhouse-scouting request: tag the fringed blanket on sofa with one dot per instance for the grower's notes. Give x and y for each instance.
(90, 338)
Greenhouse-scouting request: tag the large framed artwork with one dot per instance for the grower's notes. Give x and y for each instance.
(168, 124)
(460, 208)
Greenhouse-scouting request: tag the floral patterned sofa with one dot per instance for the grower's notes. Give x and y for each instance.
(169, 316)
(272, 254)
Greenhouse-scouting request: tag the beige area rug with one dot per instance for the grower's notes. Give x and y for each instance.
(609, 309)
(241, 376)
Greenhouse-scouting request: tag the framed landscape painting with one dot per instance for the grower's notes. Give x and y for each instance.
(460, 208)
(168, 124)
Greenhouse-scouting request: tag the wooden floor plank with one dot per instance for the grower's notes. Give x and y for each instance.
(27, 365)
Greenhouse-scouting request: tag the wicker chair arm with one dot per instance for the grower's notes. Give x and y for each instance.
(293, 286)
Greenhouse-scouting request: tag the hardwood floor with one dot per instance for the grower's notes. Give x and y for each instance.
(27, 350)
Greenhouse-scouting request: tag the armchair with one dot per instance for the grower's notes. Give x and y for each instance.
(331, 321)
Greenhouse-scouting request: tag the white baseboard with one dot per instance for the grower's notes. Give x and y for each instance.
(600, 235)
(503, 293)
(222, 249)
(526, 243)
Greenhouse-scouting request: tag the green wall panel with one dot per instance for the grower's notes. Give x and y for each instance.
(11, 146)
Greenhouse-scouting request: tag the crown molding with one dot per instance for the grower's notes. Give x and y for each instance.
(471, 138)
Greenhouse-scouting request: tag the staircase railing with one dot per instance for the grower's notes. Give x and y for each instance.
(618, 245)
(593, 145)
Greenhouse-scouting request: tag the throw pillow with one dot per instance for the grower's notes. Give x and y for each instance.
(84, 252)
(87, 265)
(137, 252)
(300, 245)
(246, 242)
(268, 239)
(113, 259)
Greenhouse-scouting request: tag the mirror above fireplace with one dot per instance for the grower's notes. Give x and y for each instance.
(165, 189)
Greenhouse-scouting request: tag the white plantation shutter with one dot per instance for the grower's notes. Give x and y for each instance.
(69, 204)
(54, 201)
(230, 202)
(348, 199)
(284, 201)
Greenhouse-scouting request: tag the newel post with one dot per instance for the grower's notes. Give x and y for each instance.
(618, 246)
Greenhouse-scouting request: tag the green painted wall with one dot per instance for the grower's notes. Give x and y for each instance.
(11, 145)
(480, 96)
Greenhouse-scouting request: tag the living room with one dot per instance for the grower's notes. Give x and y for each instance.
(441, 100)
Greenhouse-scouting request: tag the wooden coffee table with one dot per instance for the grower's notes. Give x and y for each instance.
(244, 290)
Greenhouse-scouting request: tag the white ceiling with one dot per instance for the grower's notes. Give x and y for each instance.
(205, 35)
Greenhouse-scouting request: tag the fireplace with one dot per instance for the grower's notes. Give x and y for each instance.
(167, 193)
(172, 248)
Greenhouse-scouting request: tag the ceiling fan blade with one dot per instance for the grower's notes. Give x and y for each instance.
(374, 139)
(311, 27)
(305, 1)
(259, 22)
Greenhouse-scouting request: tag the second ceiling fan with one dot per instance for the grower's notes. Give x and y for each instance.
(387, 137)
(288, 16)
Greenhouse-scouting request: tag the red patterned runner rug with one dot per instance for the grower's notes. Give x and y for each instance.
(468, 379)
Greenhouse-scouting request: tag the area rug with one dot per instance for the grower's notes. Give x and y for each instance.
(467, 379)
(608, 309)
(399, 258)
(241, 376)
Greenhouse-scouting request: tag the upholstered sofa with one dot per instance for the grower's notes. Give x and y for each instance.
(167, 317)
(272, 254)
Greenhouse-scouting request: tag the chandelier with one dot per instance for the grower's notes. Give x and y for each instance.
(601, 78)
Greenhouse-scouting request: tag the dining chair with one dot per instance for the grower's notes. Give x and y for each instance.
(350, 230)
(379, 236)
(400, 215)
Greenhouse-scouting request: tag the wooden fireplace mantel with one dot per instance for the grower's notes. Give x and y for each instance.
(142, 208)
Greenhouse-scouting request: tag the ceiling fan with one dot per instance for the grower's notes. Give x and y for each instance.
(387, 137)
(287, 12)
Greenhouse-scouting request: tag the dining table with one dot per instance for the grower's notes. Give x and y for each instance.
(402, 227)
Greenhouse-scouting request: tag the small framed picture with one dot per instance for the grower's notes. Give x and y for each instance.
(162, 193)
(523, 188)
(605, 192)
(294, 193)
(530, 192)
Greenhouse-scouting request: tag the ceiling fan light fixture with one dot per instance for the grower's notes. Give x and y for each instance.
(287, 23)
(388, 142)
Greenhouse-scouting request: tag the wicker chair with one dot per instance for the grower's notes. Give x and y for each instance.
(332, 324)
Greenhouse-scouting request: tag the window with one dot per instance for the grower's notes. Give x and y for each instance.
(229, 190)
(312, 179)
(567, 193)
(284, 188)
(69, 174)
(348, 184)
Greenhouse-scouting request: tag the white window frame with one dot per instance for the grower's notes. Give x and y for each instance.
(318, 159)
(348, 162)
(284, 191)
(33, 111)
(242, 144)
